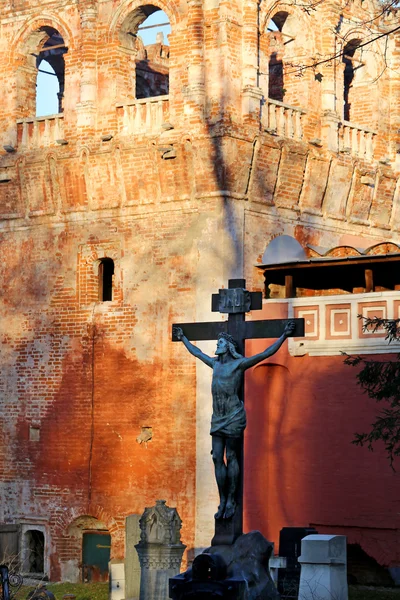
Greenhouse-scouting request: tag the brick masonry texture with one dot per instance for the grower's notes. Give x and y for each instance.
(182, 191)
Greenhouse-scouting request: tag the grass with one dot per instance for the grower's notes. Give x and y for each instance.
(82, 591)
(370, 593)
(99, 591)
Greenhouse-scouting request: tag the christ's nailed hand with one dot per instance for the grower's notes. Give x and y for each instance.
(178, 333)
(289, 328)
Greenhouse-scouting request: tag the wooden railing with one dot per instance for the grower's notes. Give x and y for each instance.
(282, 119)
(40, 132)
(356, 140)
(143, 116)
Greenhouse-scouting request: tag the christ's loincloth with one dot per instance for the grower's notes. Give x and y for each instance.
(230, 425)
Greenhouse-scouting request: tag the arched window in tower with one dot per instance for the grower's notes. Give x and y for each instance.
(276, 50)
(51, 75)
(144, 34)
(106, 276)
(351, 64)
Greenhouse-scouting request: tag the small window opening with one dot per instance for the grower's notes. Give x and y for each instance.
(106, 274)
(35, 551)
(349, 73)
(51, 76)
(275, 79)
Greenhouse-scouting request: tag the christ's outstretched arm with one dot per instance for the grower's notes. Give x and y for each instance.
(251, 361)
(193, 349)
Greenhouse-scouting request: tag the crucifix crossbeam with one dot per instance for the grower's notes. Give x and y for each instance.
(229, 418)
(236, 301)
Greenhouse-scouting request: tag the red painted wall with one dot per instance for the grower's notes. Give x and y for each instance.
(300, 466)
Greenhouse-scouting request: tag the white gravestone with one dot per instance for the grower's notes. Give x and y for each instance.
(323, 568)
(132, 566)
(117, 579)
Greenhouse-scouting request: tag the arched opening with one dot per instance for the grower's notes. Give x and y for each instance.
(276, 38)
(40, 79)
(350, 67)
(50, 80)
(34, 552)
(144, 33)
(106, 276)
(89, 549)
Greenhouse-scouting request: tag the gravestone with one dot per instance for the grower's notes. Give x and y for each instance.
(290, 549)
(132, 565)
(323, 568)
(160, 550)
(116, 570)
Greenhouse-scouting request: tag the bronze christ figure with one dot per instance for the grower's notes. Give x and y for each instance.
(229, 417)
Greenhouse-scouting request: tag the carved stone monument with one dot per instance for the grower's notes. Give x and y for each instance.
(160, 550)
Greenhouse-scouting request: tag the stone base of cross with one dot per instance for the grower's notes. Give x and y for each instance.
(236, 301)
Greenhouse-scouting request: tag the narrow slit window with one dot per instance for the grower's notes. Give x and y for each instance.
(106, 274)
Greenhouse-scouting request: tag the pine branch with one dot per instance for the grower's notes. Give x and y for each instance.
(380, 380)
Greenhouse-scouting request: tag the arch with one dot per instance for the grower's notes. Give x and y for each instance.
(280, 18)
(285, 37)
(144, 67)
(34, 24)
(131, 6)
(85, 522)
(282, 12)
(360, 67)
(39, 40)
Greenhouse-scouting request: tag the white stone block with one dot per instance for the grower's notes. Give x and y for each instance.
(323, 568)
(117, 580)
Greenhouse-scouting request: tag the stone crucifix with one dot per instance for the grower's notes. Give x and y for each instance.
(229, 417)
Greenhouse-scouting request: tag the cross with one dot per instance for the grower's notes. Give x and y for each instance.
(236, 301)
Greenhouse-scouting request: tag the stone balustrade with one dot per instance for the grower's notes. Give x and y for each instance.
(356, 140)
(143, 116)
(332, 325)
(282, 119)
(40, 132)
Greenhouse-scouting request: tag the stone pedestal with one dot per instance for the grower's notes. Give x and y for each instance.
(160, 550)
(323, 568)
